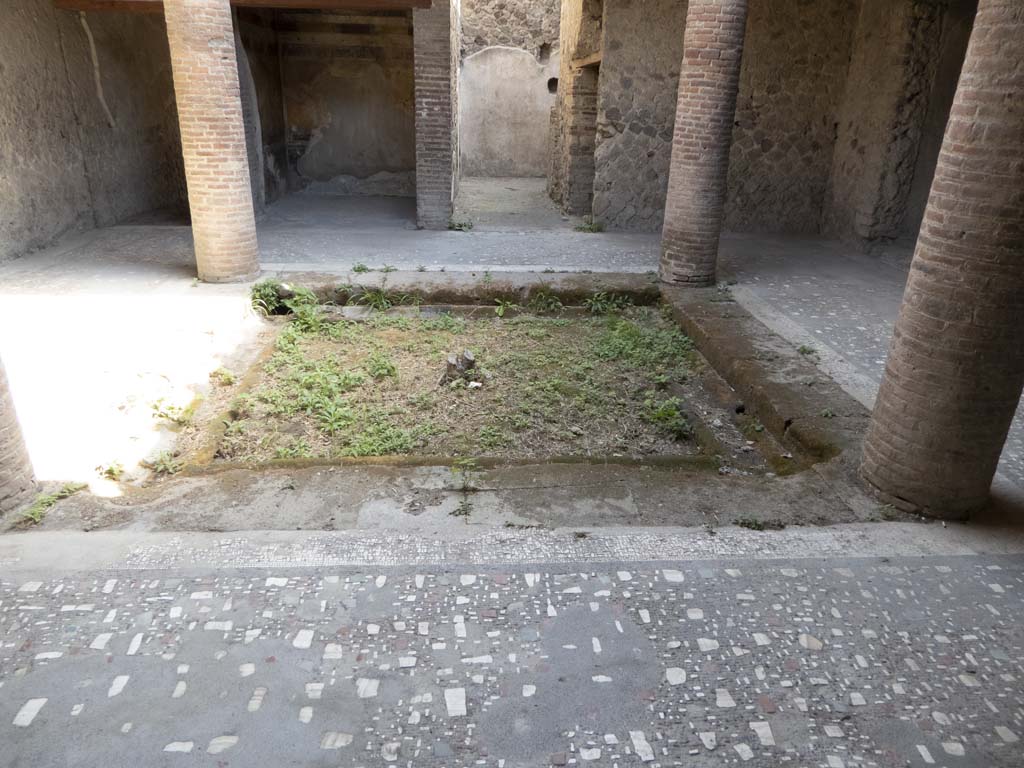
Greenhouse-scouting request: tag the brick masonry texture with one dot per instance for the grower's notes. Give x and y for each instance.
(708, 85)
(573, 129)
(956, 366)
(17, 484)
(206, 86)
(435, 55)
(527, 24)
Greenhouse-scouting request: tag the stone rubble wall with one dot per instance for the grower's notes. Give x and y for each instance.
(75, 156)
(840, 111)
(792, 78)
(528, 24)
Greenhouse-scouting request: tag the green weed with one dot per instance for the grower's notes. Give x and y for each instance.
(38, 509)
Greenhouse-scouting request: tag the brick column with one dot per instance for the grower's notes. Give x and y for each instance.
(17, 484)
(435, 68)
(956, 365)
(202, 44)
(706, 107)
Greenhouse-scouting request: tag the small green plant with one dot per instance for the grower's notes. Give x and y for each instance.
(44, 501)
(381, 299)
(805, 350)
(421, 268)
(223, 377)
(488, 278)
(359, 268)
(503, 306)
(491, 438)
(464, 508)
(603, 303)
(113, 471)
(173, 414)
(380, 366)
(299, 449)
(828, 413)
(265, 298)
(335, 418)
(668, 416)
(460, 226)
(164, 463)
(388, 268)
(589, 225)
(545, 301)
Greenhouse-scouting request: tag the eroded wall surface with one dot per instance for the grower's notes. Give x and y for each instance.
(791, 84)
(794, 68)
(263, 103)
(74, 154)
(505, 103)
(348, 89)
(507, 80)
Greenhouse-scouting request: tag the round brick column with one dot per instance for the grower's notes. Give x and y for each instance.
(956, 365)
(706, 107)
(202, 44)
(17, 484)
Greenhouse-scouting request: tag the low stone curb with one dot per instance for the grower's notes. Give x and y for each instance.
(774, 382)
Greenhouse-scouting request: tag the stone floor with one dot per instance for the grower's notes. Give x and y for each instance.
(842, 303)
(535, 650)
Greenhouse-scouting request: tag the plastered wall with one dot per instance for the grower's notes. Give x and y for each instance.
(74, 154)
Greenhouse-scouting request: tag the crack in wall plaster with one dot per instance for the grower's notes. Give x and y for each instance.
(97, 78)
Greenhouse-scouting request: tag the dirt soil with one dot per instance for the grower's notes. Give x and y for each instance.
(542, 386)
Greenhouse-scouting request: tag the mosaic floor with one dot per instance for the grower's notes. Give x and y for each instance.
(833, 663)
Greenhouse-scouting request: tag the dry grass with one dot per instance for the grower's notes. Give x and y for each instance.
(581, 386)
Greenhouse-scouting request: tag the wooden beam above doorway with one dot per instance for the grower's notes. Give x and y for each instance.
(157, 6)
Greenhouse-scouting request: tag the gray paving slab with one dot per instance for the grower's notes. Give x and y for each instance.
(840, 663)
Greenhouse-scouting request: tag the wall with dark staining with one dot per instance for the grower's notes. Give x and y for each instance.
(348, 91)
(74, 155)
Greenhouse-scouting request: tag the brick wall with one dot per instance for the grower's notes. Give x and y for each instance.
(955, 370)
(573, 138)
(436, 53)
(16, 482)
(702, 136)
(202, 44)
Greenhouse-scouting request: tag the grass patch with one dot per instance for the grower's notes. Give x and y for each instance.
(38, 509)
(543, 386)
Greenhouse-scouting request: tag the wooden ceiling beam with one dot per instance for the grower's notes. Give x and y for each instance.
(157, 6)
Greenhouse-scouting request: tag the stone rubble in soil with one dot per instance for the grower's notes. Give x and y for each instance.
(844, 664)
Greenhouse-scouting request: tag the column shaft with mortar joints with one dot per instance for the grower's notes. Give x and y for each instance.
(202, 44)
(435, 69)
(706, 107)
(17, 484)
(955, 370)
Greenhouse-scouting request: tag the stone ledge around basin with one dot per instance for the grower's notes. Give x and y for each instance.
(481, 288)
(774, 382)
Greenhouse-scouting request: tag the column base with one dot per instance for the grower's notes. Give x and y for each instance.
(913, 508)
